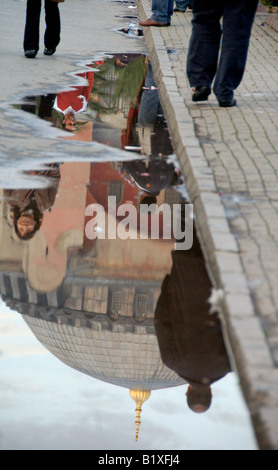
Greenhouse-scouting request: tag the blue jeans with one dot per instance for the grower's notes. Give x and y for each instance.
(183, 4)
(205, 41)
(162, 10)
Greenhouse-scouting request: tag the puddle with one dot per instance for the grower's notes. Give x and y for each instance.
(132, 30)
(111, 91)
(129, 17)
(125, 309)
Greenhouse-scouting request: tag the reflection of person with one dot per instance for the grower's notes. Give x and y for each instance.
(152, 176)
(69, 103)
(162, 11)
(28, 206)
(190, 338)
(155, 173)
(150, 106)
(32, 28)
(204, 47)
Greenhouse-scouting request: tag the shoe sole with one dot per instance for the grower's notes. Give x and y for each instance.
(30, 55)
(203, 96)
(49, 52)
(227, 104)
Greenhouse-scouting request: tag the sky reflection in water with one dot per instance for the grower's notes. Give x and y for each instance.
(62, 283)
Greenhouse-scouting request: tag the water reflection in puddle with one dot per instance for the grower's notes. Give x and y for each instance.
(130, 312)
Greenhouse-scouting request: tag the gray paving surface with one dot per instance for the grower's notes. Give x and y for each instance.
(229, 159)
(89, 29)
(230, 162)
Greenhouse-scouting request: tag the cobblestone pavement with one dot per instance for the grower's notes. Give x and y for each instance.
(229, 158)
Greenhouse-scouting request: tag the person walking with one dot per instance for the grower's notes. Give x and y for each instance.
(203, 62)
(32, 27)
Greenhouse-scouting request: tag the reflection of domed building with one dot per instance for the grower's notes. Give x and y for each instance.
(122, 351)
(90, 303)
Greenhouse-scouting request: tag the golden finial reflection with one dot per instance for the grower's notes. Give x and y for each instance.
(139, 396)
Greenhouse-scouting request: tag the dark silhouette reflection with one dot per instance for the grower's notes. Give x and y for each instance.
(189, 335)
(152, 175)
(156, 172)
(103, 305)
(27, 206)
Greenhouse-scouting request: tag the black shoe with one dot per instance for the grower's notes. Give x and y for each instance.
(49, 51)
(227, 103)
(179, 10)
(201, 93)
(31, 53)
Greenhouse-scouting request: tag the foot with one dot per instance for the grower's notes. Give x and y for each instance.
(151, 22)
(179, 10)
(227, 103)
(31, 53)
(201, 93)
(49, 51)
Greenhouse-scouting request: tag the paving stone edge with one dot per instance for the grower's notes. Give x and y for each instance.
(252, 358)
(272, 20)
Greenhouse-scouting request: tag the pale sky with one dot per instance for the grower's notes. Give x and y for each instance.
(45, 404)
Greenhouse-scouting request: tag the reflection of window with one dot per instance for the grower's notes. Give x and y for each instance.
(23, 289)
(115, 188)
(74, 298)
(121, 302)
(117, 300)
(8, 286)
(140, 308)
(95, 299)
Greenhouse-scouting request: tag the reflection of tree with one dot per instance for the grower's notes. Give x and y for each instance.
(114, 82)
(130, 79)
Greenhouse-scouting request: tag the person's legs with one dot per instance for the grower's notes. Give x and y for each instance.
(170, 10)
(32, 26)
(53, 25)
(204, 42)
(182, 5)
(237, 24)
(162, 11)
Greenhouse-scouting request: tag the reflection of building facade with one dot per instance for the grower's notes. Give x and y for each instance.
(90, 304)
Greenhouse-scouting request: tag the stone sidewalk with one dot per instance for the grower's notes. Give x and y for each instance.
(229, 157)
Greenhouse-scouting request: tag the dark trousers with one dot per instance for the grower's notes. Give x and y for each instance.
(32, 27)
(205, 42)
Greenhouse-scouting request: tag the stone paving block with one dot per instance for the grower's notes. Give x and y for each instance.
(255, 351)
(269, 417)
(239, 305)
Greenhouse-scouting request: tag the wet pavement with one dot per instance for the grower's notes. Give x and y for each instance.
(125, 322)
(230, 161)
